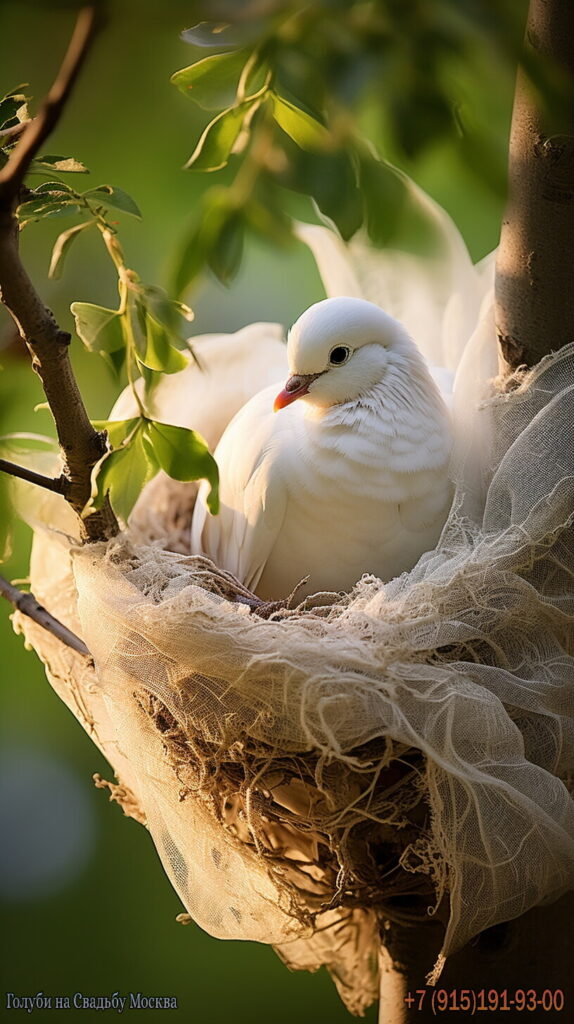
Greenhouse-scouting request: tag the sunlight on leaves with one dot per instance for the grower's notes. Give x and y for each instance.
(183, 454)
(99, 328)
(113, 197)
(61, 164)
(216, 144)
(160, 354)
(211, 82)
(49, 204)
(307, 132)
(122, 474)
(117, 430)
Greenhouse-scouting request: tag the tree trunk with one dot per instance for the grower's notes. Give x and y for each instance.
(534, 282)
(533, 954)
(534, 316)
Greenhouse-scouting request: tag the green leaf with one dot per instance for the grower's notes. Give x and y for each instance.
(174, 316)
(61, 164)
(267, 218)
(45, 211)
(183, 454)
(217, 141)
(393, 213)
(160, 353)
(49, 204)
(421, 115)
(189, 260)
(63, 245)
(217, 208)
(226, 252)
(211, 82)
(331, 181)
(385, 197)
(304, 129)
(55, 188)
(122, 474)
(114, 361)
(117, 430)
(114, 198)
(13, 104)
(99, 328)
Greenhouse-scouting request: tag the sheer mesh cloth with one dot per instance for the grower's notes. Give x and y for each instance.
(304, 776)
(363, 758)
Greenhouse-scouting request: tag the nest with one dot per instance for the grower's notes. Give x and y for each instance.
(311, 775)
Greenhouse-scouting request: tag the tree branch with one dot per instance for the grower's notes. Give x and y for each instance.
(42, 126)
(534, 293)
(28, 605)
(56, 484)
(14, 130)
(82, 446)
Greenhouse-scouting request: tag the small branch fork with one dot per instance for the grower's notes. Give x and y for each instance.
(28, 605)
(81, 445)
(56, 484)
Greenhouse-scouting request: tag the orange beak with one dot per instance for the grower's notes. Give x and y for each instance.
(296, 386)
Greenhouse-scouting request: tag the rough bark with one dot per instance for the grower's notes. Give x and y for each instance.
(534, 291)
(81, 445)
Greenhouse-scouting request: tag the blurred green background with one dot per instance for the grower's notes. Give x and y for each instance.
(86, 906)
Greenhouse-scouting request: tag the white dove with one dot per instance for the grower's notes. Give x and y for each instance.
(348, 475)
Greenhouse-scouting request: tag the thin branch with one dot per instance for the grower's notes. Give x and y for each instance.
(42, 126)
(81, 445)
(14, 130)
(27, 604)
(49, 483)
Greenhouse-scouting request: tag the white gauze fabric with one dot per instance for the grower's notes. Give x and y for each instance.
(304, 776)
(260, 747)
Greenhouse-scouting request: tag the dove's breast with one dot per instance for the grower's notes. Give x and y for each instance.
(364, 496)
(361, 488)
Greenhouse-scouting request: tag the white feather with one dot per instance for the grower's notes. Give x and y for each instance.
(349, 479)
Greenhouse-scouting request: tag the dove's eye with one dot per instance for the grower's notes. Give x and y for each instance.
(339, 355)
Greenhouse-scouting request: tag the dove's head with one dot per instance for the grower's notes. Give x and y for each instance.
(340, 349)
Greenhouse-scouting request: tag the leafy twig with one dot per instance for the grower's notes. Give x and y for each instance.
(82, 446)
(42, 126)
(27, 604)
